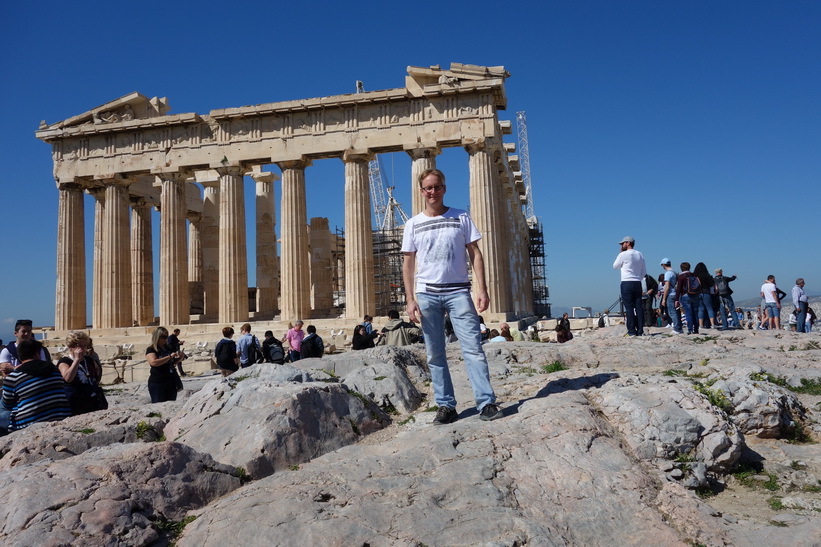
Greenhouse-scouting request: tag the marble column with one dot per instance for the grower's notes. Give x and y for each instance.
(422, 159)
(233, 257)
(70, 301)
(97, 267)
(174, 301)
(322, 279)
(142, 263)
(486, 207)
(210, 236)
(267, 260)
(295, 293)
(115, 310)
(360, 297)
(195, 277)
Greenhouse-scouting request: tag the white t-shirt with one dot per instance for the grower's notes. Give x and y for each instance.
(440, 246)
(632, 265)
(768, 289)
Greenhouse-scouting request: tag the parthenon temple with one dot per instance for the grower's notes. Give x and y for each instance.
(130, 155)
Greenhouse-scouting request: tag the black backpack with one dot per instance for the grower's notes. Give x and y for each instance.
(276, 353)
(255, 354)
(722, 286)
(601, 321)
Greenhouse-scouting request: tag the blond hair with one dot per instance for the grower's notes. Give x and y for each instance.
(76, 338)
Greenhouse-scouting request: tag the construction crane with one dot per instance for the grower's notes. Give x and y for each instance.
(524, 161)
(387, 214)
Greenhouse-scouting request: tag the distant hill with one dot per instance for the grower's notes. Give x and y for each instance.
(815, 301)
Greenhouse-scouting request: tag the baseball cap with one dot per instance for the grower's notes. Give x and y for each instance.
(665, 262)
(627, 239)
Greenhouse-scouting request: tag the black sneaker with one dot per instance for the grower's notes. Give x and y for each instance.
(491, 412)
(445, 415)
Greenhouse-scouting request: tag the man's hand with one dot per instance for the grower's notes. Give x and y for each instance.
(413, 311)
(482, 301)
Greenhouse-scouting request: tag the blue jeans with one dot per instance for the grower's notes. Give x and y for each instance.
(675, 315)
(633, 308)
(802, 316)
(705, 309)
(728, 310)
(690, 305)
(465, 322)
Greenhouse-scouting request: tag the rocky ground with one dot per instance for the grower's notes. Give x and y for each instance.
(658, 440)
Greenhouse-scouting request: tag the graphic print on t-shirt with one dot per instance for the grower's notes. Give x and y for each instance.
(438, 247)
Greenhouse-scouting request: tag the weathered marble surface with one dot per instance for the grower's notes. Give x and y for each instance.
(607, 452)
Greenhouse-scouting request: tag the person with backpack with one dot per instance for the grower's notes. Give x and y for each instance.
(668, 295)
(272, 349)
(688, 296)
(225, 354)
(724, 291)
(312, 344)
(248, 349)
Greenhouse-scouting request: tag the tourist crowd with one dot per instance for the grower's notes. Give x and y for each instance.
(698, 300)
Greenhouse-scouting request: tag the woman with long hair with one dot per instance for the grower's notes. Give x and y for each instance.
(706, 311)
(162, 381)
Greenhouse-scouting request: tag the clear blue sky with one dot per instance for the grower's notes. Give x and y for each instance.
(693, 126)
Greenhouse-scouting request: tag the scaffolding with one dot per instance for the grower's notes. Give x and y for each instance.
(387, 266)
(541, 293)
(338, 269)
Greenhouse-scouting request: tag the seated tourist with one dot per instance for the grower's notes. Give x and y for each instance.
(34, 391)
(398, 332)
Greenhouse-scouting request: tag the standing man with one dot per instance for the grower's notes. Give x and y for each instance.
(668, 295)
(175, 345)
(633, 270)
(799, 298)
(769, 292)
(435, 244)
(725, 294)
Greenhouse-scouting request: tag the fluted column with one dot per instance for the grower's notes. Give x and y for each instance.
(195, 283)
(116, 257)
(142, 263)
(422, 159)
(485, 208)
(360, 296)
(322, 282)
(233, 257)
(70, 301)
(295, 293)
(210, 236)
(174, 301)
(267, 260)
(97, 267)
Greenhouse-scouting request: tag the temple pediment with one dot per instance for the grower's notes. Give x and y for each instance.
(134, 106)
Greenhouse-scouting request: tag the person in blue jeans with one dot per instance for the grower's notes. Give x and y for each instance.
(633, 269)
(668, 295)
(688, 302)
(436, 245)
(706, 312)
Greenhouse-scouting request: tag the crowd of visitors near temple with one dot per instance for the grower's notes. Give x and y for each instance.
(697, 300)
